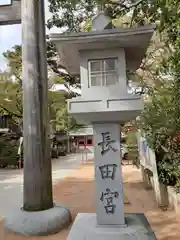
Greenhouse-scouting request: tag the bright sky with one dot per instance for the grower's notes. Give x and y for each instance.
(10, 35)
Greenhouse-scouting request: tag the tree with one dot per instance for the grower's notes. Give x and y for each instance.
(11, 92)
(64, 13)
(10, 98)
(57, 110)
(165, 137)
(14, 58)
(69, 17)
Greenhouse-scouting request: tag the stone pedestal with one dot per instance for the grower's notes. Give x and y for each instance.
(109, 222)
(137, 228)
(40, 223)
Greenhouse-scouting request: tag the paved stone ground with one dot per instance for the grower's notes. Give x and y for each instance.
(11, 181)
(77, 193)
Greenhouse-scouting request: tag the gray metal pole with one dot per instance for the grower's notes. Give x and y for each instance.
(37, 163)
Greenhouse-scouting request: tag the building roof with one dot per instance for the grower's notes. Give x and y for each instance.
(84, 131)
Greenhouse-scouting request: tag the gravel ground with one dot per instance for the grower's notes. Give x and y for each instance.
(77, 193)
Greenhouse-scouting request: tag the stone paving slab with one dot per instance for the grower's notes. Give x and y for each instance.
(77, 193)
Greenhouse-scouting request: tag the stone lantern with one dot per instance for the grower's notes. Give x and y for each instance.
(102, 57)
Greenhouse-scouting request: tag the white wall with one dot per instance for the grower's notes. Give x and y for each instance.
(148, 161)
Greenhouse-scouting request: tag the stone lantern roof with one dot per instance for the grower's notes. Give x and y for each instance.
(103, 36)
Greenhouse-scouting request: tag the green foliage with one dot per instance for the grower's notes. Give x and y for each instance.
(57, 110)
(14, 58)
(159, 125)
(10, 98)
(60, 119)
(131, 139)
(70, 15)
(160, 119)
(11, 92)
(8, 152)
(156, 118)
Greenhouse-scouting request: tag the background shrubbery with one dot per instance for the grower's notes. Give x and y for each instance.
(8, 151)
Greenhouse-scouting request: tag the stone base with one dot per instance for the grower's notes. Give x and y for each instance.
(85, 227)
(41, 223)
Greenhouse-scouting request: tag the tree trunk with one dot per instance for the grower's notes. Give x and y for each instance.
(37, 162)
